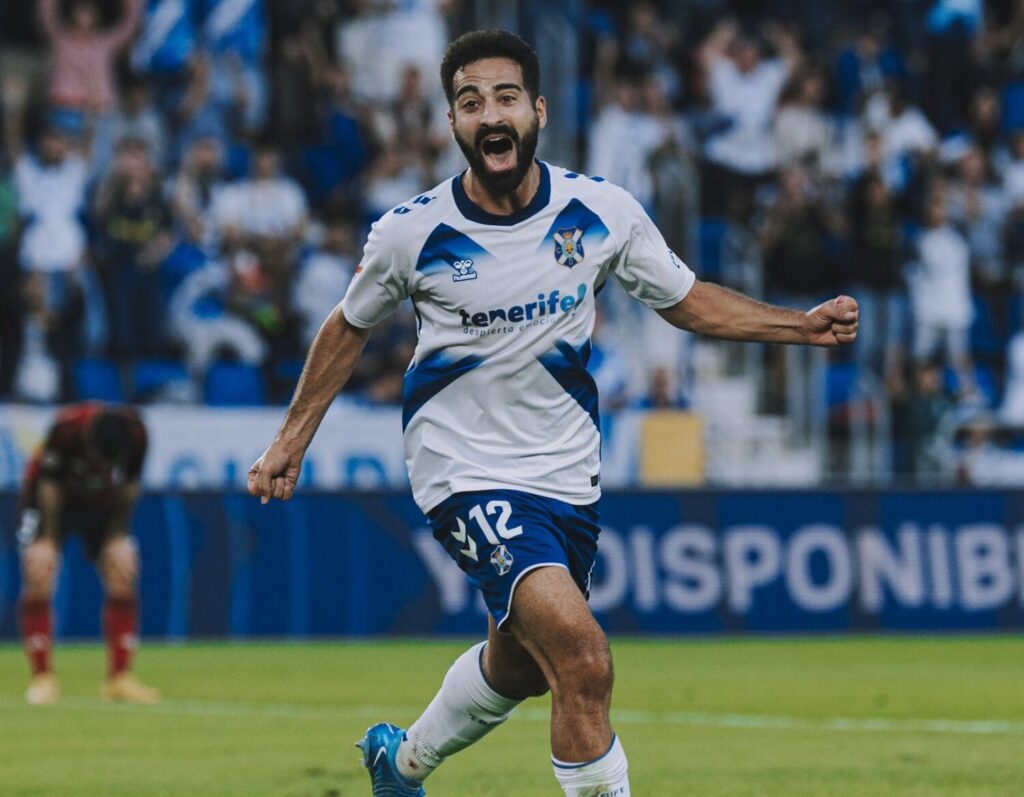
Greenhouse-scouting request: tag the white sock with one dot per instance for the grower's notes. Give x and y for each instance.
(464, 711)
(606, 776)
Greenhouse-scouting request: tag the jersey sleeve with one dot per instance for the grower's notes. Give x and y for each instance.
(53, 458)
(382, 279)
(645, 267)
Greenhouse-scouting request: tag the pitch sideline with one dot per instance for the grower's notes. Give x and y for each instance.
(620, 717)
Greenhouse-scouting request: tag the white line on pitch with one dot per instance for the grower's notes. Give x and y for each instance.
(203, 708)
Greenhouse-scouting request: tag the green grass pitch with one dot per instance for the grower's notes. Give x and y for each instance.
(850, 716)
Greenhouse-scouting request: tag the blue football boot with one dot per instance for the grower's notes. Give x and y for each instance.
(380, 746)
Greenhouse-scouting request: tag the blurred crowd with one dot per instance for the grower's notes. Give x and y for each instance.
(185, 183)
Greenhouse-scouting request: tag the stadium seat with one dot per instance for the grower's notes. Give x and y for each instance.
(985, 340)
(1013, 106)
(284, 378)
(97, 379)
(840, 379)
(984, 378)
(150, 377)
(712, 232)
(234, 384)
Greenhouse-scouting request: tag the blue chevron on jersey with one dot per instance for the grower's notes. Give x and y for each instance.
(448, 249)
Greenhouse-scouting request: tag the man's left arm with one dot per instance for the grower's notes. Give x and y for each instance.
(718, 312)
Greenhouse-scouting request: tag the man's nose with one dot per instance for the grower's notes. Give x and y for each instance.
(491, 113)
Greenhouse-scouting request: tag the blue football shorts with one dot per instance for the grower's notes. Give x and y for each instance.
(498, 536)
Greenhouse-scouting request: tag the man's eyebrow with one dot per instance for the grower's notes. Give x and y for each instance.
(498, 87)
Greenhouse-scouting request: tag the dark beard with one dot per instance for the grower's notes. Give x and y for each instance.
(526, 148)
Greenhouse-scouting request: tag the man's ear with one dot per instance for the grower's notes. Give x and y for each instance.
(540, 105)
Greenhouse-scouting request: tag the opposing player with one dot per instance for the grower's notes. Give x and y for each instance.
(503, 263)
(84, 480)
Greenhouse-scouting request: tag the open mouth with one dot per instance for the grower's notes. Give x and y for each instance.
(498, 144)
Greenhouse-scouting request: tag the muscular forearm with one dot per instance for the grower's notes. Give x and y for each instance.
(718, 312)
(331, 360)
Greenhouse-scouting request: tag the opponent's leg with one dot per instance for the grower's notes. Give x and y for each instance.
(552, 621)
(477, 695)
(40, 562)
(118, 565)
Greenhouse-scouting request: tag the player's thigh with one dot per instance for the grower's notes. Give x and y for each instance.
(552, 621)
(118, 564)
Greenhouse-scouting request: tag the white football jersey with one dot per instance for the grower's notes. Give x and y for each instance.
(498, 394)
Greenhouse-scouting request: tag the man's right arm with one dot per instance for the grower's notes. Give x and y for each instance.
(331, 360)
(50, 504)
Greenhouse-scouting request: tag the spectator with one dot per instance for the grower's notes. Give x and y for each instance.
(866, 67)
(391, 179)
(323, 277)
(744, 89)
(82, 54)
(51, 342)
(269, 205)
(51, 195)
(132, 221)
(234, 35)
(138, 118)
(195, 188)
(209, 315)
(919, 414)
(802, 132)
(650, 42)
(622, 140)
(795, 241)
(1012, 409)
(385, 37)
(978, 206)
(940, 295)
(877, 248)
(11, 309)
(905, 130)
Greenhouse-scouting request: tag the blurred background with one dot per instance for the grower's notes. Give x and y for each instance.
(185, 187)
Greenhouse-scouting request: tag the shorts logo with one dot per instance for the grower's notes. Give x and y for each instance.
(568, 246)
(501, 559)
(463, 270)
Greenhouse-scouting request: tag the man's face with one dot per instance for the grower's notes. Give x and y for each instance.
(53, 147)
(495, 123)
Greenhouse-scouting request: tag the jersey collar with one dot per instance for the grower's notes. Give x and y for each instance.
(474, 212)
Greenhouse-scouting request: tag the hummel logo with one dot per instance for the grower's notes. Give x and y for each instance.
(463, 270)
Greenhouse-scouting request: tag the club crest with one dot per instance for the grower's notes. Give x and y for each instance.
(501, 559)
(568, 246)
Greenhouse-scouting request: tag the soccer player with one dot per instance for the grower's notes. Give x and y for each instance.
(502, 263)
(84, 479)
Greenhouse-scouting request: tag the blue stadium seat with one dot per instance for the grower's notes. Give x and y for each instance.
(984, 338)
(149, 377)
(712, 231)
(234, 384)
(839, 381)
(984, 378)
(1013, 106)
(97, 379)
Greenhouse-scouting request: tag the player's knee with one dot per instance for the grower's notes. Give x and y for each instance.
(586, 670)
(119, 566)
(39, 569)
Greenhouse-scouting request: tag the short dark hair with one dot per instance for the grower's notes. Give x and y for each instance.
(479, 44)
